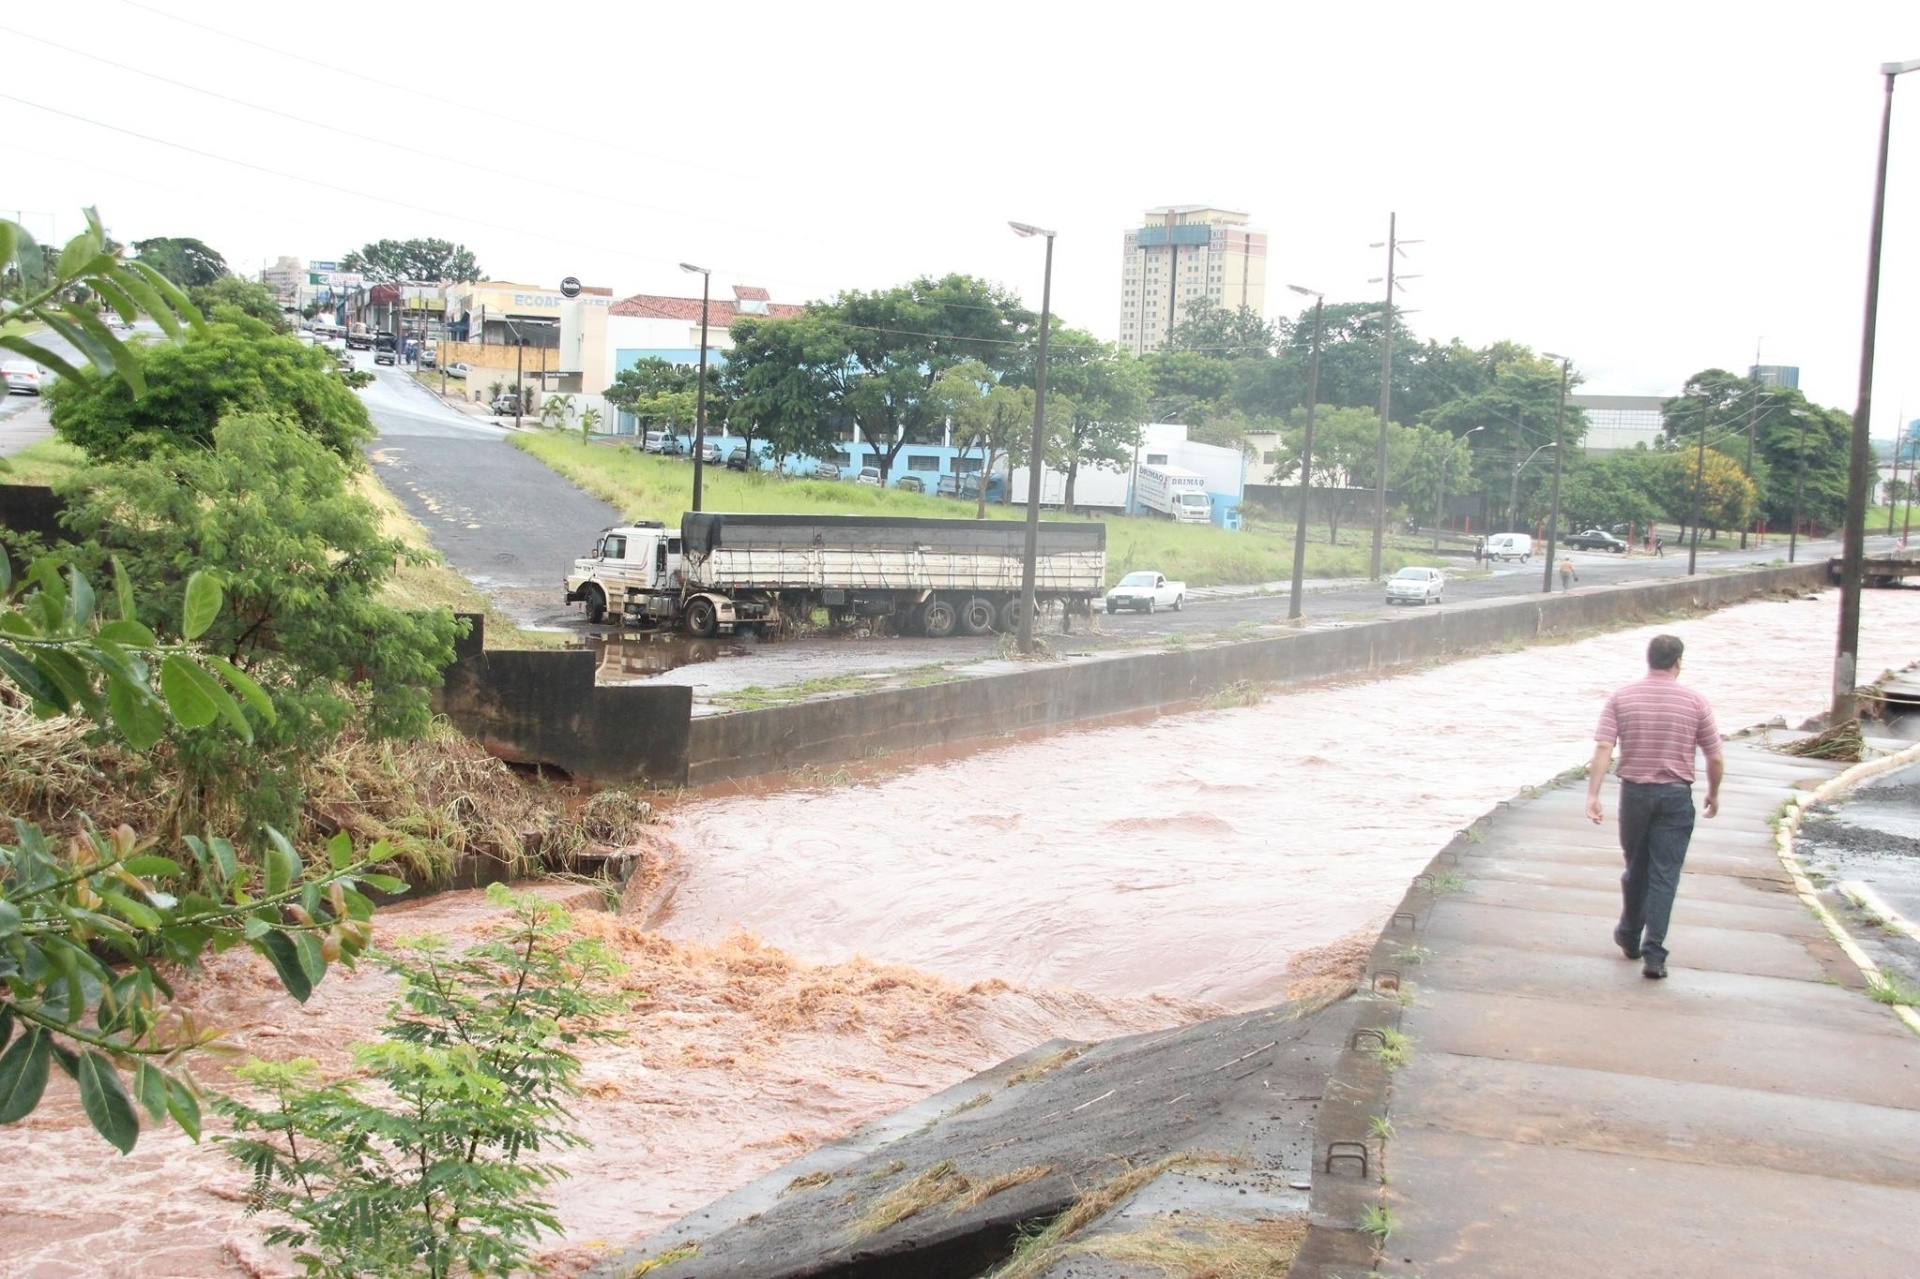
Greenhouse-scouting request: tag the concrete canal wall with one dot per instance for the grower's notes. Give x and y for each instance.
(748, 743)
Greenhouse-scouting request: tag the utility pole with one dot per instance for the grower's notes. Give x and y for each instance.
(1899, 433)
(1753, 413)
(1699, 482)
(1306, 462)
(1799, 481)
(1559, 457)
(1386, 406)
(1846, 657)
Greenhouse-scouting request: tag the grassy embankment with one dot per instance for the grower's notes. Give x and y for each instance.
(646, 487)
(43, 463)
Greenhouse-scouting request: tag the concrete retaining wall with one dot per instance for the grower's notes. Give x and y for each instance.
(749, 743)
(543, 707)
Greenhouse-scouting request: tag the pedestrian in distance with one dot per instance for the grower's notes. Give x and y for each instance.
(1567, 576)
(1479, 550)
(1659, 545)
(1658, 725)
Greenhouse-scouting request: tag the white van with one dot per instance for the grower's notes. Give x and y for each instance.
(1510, 546)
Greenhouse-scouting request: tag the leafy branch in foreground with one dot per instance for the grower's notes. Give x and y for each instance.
(432, 1169)
(88, 266)
(84, 931)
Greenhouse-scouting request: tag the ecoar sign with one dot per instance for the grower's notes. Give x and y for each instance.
(548, 300)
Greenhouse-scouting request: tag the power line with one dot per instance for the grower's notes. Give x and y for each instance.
(464, 107)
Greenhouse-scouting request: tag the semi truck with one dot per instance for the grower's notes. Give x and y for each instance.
(721, 573)
(359, 338)
(1175, 492)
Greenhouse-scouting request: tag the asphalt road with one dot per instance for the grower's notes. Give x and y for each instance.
(1328, 601)
(500, 517)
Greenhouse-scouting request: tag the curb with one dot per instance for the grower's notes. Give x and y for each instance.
(1783, 846)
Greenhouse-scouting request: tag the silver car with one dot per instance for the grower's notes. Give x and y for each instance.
(1416, 586)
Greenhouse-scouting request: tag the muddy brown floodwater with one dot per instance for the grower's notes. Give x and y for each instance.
(1192, 855)
(831, 955)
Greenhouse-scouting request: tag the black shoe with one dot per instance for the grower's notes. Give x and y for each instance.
(1628, 948)
(1655, 968)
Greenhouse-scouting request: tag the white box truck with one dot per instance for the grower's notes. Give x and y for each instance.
(1095, 488)
(1175, 492)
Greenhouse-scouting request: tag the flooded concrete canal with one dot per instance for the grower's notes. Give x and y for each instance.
(1193, 855)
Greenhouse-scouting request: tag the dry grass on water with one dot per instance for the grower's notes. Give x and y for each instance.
(941, 1185)
(439, 800)
(1037, 1253)
(1205, 1249)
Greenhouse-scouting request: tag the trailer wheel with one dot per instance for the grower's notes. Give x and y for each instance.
(703, 620)
(1010, 616)
(596, 601)
(938, 618)
(977, 616)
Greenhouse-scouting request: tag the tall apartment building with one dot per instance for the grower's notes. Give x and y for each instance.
(1185, 251)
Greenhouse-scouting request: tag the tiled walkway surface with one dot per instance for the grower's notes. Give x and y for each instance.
(1560, 1115)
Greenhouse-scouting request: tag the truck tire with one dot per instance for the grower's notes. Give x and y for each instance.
(1153, 605)
(977, 616)
(938, 618)
(1179, 602)
(1010, 616)
(596, 601)
(703, 619)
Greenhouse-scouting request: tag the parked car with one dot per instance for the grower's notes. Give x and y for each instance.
(22, 376)
(869, 475)
(1147, 592)
(826, 471)
(1596, 540)
(457, 369)
(710, 453)
(741, 459)
(1416, 586)
(948, 486)
(505, 405)
(910, 484)
(427, 358)
(665, 443)
(385, 357)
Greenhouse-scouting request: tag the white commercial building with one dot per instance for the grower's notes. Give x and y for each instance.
(1187, 251)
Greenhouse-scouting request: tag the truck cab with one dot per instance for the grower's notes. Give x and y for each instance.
(644, 557)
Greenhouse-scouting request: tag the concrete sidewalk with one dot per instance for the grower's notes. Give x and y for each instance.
(1558, 1114)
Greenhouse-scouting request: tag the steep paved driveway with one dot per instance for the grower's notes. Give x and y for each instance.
(500, 517)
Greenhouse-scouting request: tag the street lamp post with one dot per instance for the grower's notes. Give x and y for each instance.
(1799, 482)
(1559, 457)
(1306, 458)
(1699, 483)
(1029, 563)
(700, 389)
(1440, 506)
(1860, 459)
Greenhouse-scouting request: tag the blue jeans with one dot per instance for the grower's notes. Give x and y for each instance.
(1656, 824)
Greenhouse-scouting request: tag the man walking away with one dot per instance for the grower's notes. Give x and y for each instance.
(1657, 724)
(1567, 576)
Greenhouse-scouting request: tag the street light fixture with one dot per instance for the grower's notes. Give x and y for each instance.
(1860, 460)
(1306, 456)
(1559, 457)
(1029, 564)
(700, 390)
(1440, 506)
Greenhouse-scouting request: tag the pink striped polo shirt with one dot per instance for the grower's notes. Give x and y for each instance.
(1658, 723)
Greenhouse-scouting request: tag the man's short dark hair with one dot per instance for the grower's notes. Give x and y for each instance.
(1663, 654)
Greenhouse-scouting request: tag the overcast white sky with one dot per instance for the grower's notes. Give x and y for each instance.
(1648, 188)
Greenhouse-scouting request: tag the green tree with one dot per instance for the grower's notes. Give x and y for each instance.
(777, 384)
(1726, 494)
(1519, 409)
(432, 1161)
(90, 929)
(1186, 386)
(1619, 488)
(1096, 403)
(421, 261)
(273, 516)
(656, 392)
(988, 413)
(1207, 328)
(249, 297)
(187, 262)
(236, 364)
(1345, 453)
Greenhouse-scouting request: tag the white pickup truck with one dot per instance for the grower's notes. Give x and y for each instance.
(1145, 592)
